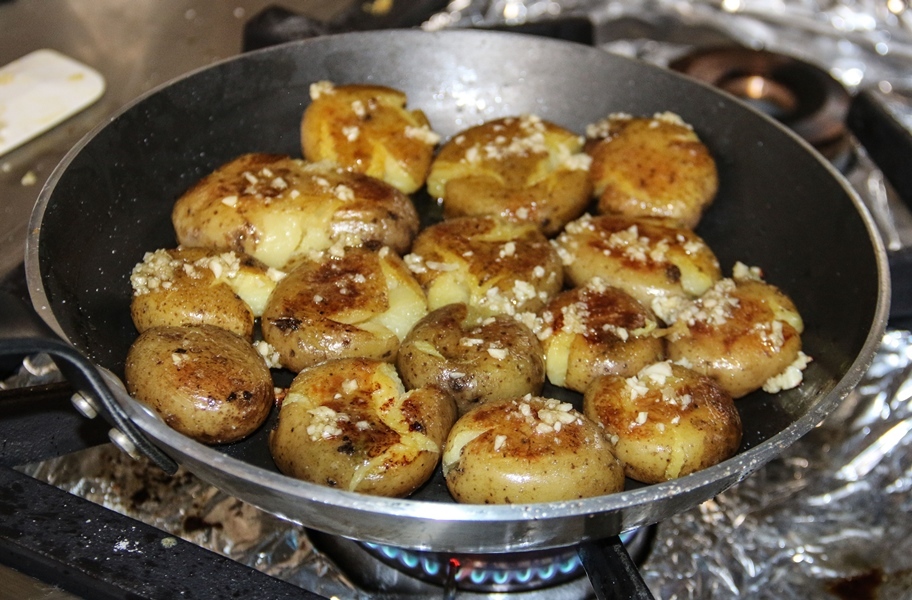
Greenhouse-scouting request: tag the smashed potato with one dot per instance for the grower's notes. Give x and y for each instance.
(204, 381)
(473, 311)
(278, 209)
(651, 167)
(666, 422)
(492, 265)
(596, 330)
(744, 333)
(474, 361)
(195, 286)
(520, 168)
(647, 258)
(350, 424)
(528, 449)
(367, 129)
(361, 303)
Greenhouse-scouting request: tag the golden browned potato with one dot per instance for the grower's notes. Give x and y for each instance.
(278, 209)
(367, 129)
(595, 330)
(350, 424)
(528, 449)
(361, 303)
(492, 265)
(665, 422)
(651, 167)
(520, 168)
(744, 332)
(204, 381)
(474, 361)
(194, 286)
(647, 258)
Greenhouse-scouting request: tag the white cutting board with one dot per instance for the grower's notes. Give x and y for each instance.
(41, 90)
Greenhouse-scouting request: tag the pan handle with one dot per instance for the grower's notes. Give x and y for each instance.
(22, 334)
(611, 571)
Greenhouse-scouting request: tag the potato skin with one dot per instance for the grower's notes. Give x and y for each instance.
(651, 167)
(647, 258)
(367, 129)
(677, 423)
(205, 382)
(350, 424)
(519, 168)
(493, 265)
(278, 209)
(505, 452)
(595, 330)
(179, 286)
(752, 335)
(358, 304)
(474, 362)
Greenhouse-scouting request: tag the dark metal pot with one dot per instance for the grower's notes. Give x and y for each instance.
(780, 206)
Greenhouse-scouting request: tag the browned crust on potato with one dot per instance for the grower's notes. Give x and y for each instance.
(740, 349)
(277, 209)
(500, 453)
(520, 168)
(204, 381)
(652, 167)
(473, 361)
(363, 128)
(349, 424)
(669, 429)
(612, 333)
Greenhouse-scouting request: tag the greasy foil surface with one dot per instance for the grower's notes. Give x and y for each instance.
(830, 518)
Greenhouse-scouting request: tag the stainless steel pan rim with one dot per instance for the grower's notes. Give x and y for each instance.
(448, 526)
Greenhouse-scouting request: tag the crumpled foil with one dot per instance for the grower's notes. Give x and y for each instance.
(829, 518)
(860, 40)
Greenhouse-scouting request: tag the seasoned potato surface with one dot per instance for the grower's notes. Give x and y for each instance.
(195, 286)
(474, 361)
(597, 330)
(651, 167)
(492, 265)
(278, 209)
(528, 449)
(520, 168)
(361, 303)
(744, 332)
(647, 258)
(367, 129)
(666, 422)
(350, 424)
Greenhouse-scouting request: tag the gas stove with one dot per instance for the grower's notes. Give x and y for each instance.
(102, 535)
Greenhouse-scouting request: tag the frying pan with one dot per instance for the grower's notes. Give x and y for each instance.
(779, 206)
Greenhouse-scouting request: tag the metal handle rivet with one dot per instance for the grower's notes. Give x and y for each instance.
(85, 405)
(120, 439)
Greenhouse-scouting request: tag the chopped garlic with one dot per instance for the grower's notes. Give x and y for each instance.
(790, 378)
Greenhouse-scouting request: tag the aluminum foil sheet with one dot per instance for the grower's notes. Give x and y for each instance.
(830, 518)
(862, 41)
